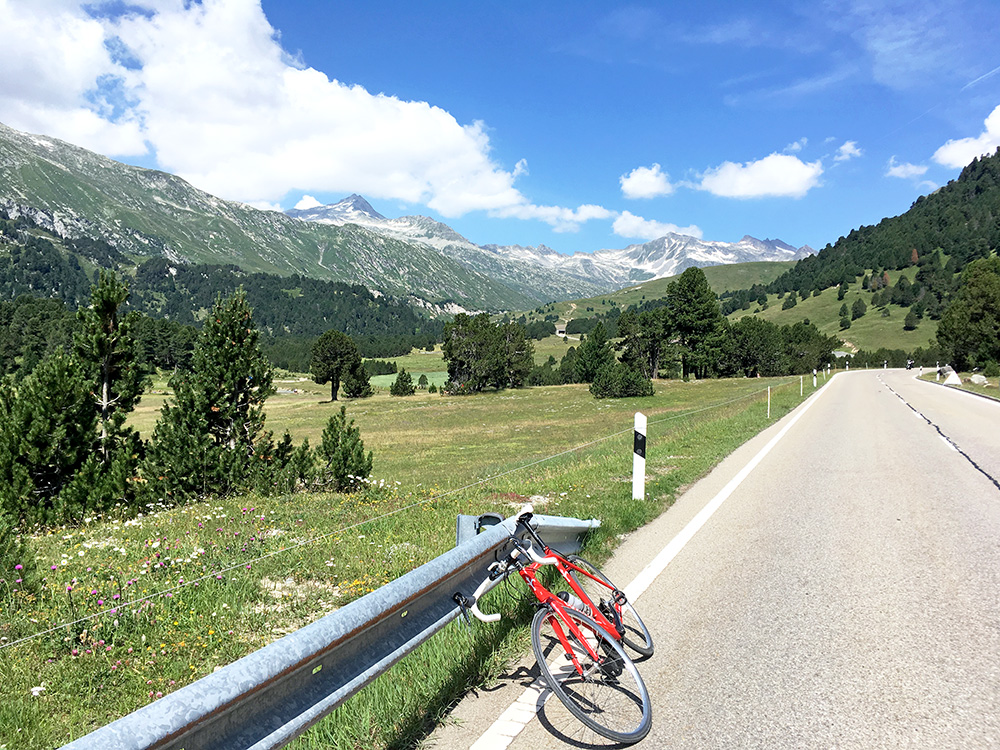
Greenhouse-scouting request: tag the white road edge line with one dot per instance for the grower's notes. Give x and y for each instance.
(649, 574)
(517, 716)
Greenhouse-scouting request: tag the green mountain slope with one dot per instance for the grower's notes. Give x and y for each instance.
(905, 264)
(146, 213)
(721, 279)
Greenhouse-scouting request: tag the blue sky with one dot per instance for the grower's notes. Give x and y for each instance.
(578, 125)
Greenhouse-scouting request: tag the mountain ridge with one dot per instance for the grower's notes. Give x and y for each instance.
(579, 274)
(146, 213)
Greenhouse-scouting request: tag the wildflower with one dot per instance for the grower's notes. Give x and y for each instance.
(37, 691)
(18, 567)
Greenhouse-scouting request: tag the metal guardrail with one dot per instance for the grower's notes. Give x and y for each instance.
(269, 697)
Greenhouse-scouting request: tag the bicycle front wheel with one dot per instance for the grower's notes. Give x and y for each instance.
(636, 635)
(593, 676)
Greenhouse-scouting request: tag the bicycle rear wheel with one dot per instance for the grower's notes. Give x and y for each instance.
(636, 635)
(606, 694)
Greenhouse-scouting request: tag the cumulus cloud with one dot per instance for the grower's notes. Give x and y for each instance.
(904, 170)
(795, 147)
(958, 153)
(646, 182)
(848, 151)
(636, 227)
(208, 87)
(265, 206)
(306, 202)
(60, 79)
(777, 175)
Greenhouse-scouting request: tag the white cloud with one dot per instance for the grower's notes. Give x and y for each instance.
(635, 227)
(646, 182)
(848, 151)
(265, 206)
(958, 153)
(559, 218)
(794, 148)
(777, 175)
(209, 88)
(59, 78)
(307, 202)
(905, 170)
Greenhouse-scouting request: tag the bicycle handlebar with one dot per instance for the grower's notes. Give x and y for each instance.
(519, 547)
(474, 607)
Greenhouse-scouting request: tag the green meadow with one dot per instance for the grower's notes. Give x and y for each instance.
(113, 614)
(872, 331)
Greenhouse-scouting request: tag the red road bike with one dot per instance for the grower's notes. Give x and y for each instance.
(578, 636)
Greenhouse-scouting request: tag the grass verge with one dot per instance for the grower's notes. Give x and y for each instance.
(119, 611)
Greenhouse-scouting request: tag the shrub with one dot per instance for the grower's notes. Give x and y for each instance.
(616, 380)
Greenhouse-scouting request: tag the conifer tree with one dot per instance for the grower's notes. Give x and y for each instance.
(213, 439)
(403, 384)
(106, 347)
(357, 382)
(341, 454)
(49, 428)
(335, 357)
(695, 320)
(859, 308)
(594, 353)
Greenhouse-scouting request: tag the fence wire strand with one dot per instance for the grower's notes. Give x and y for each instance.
(131, 605)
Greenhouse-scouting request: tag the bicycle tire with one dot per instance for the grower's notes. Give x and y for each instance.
(609, 697)
(636, 635)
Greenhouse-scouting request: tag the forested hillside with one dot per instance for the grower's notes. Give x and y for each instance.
(43, 280)
(961, 221)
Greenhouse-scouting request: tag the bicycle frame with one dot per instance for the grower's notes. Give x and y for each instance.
(565, 568)
(546, 598)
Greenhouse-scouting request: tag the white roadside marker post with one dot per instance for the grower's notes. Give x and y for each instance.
(639, 458)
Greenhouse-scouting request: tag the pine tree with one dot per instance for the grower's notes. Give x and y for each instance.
(212, 439)
(106, 347)
(594, 353)
(403, 385)
(357, 382)
(341, 454)
(49, 432)
(334, 356)
(695, 320)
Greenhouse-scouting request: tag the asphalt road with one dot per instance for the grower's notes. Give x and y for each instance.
(846, 594)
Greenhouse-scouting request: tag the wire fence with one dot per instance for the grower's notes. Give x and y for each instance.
(431, 499)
